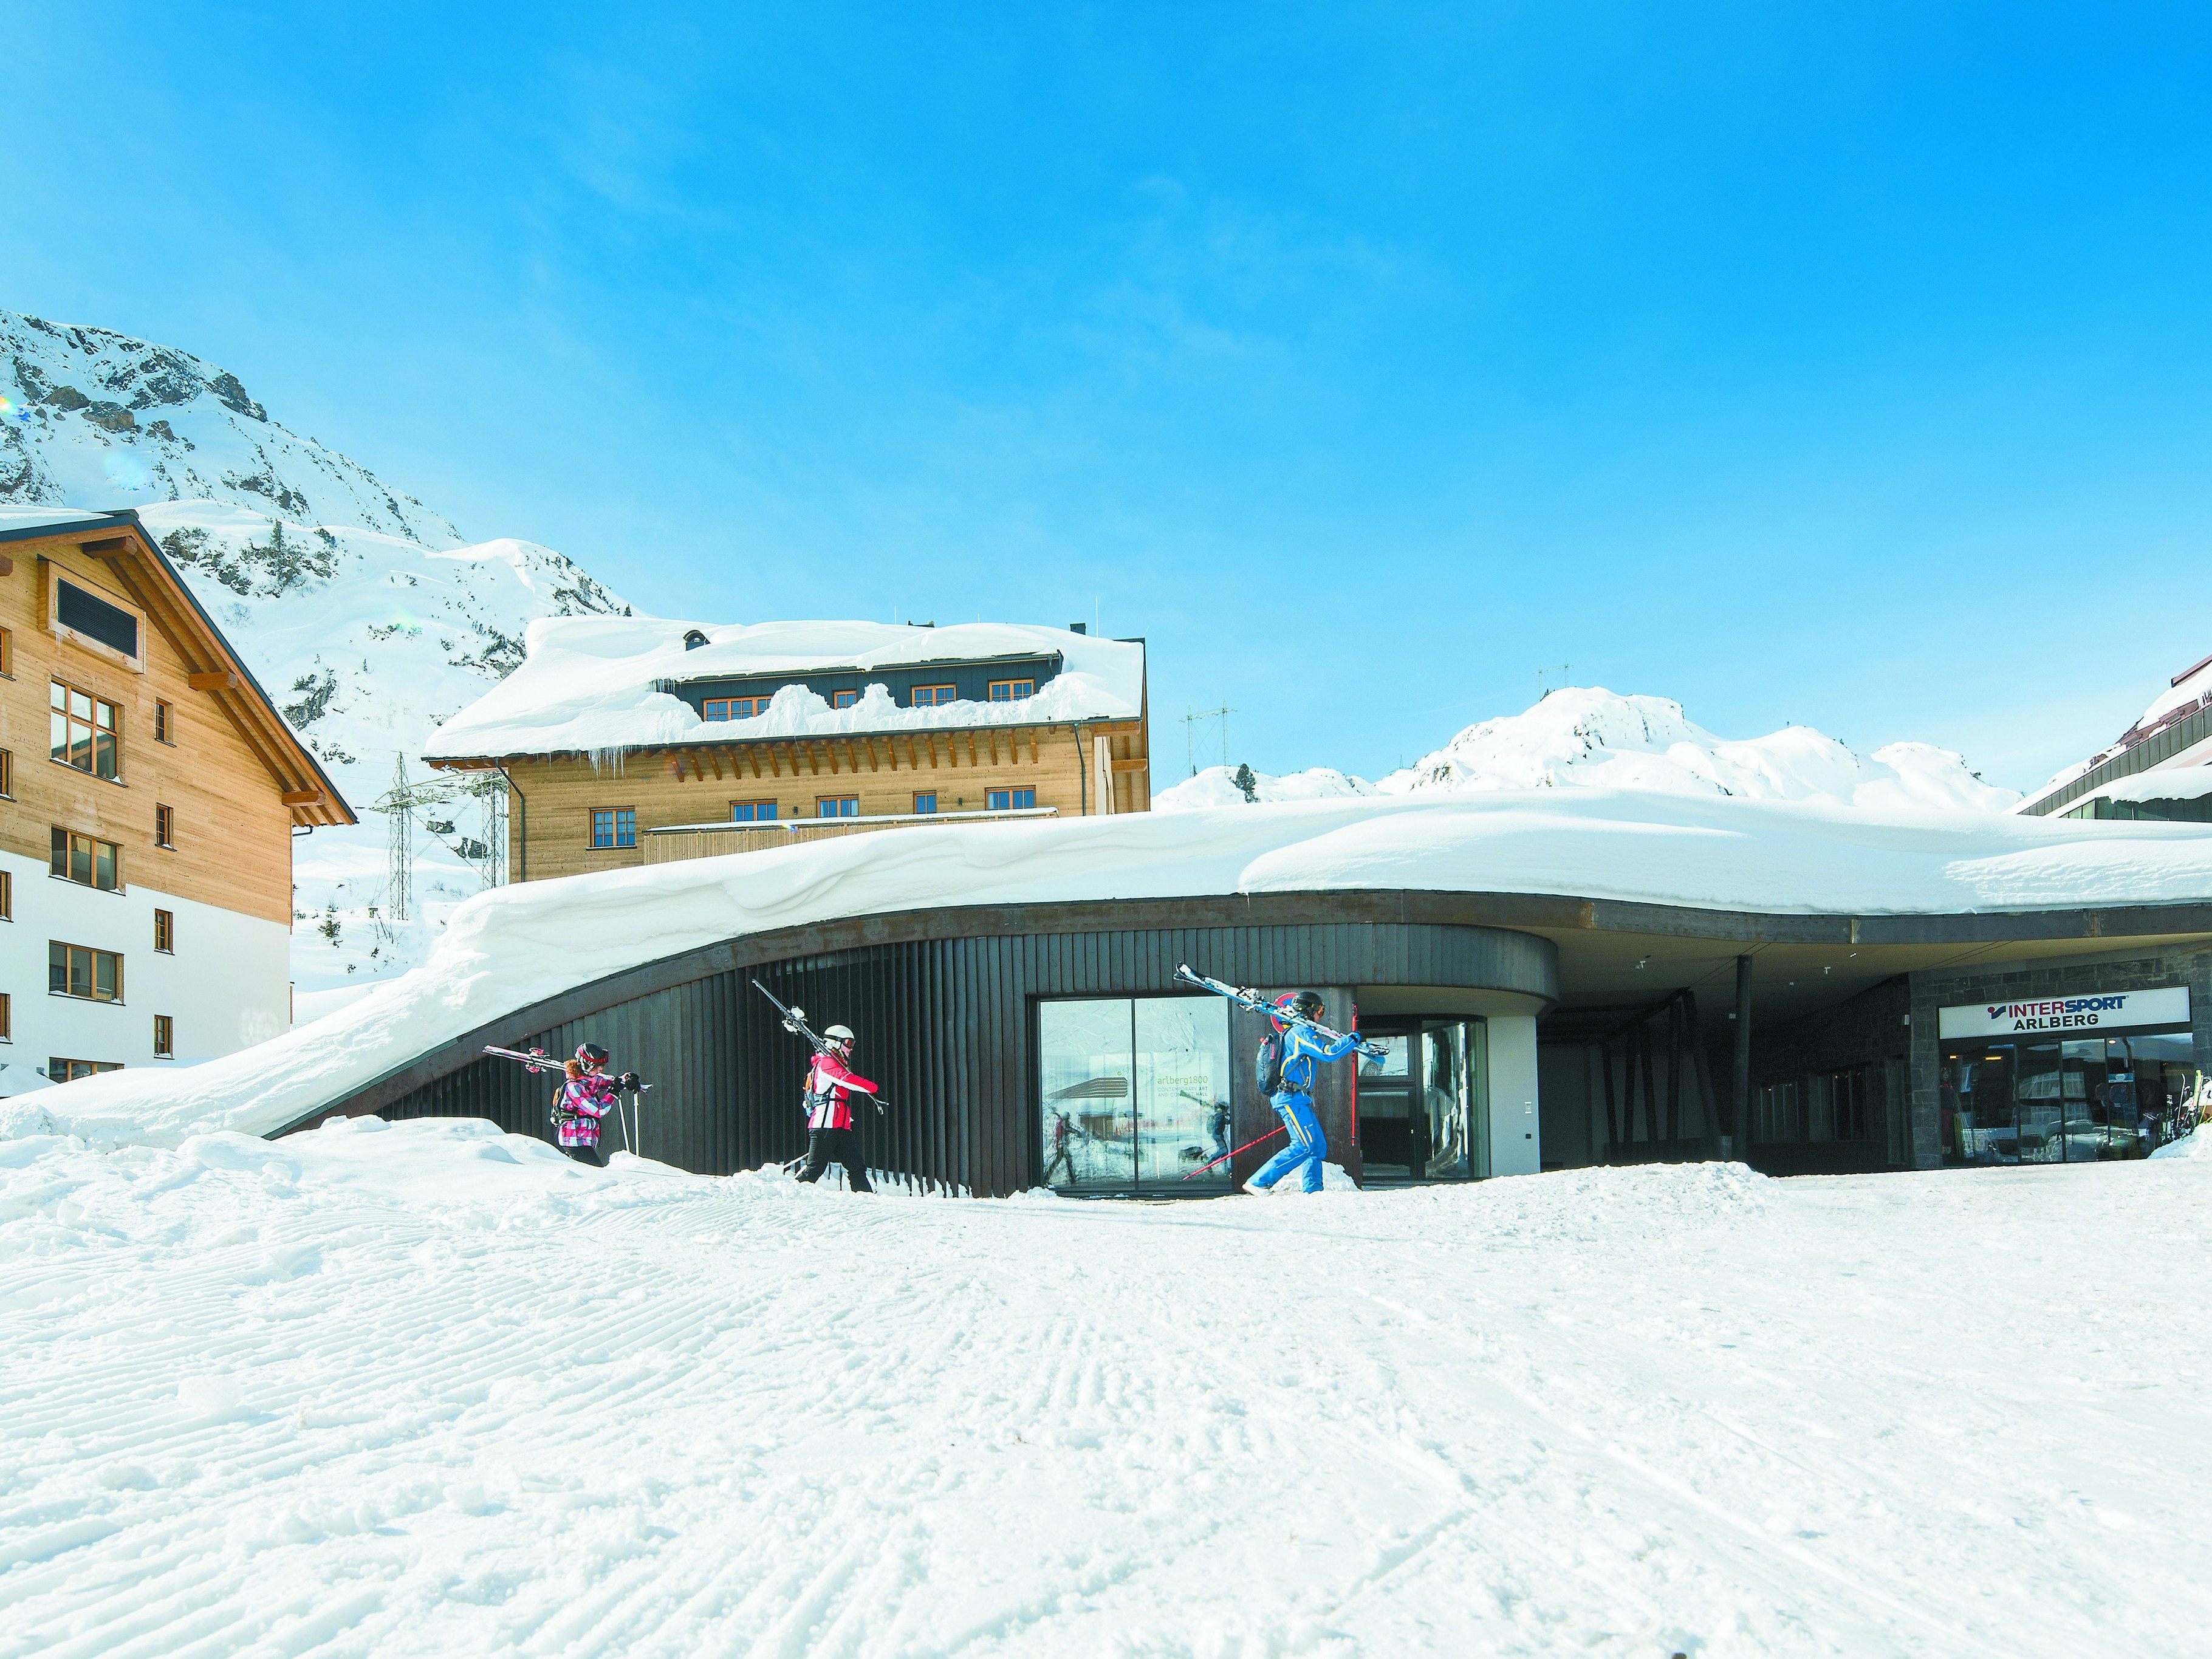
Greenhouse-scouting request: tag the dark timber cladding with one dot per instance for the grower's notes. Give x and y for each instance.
(945, 1026)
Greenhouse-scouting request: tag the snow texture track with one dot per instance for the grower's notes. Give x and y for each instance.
(428, 1388)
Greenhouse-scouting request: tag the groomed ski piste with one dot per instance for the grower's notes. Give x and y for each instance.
(423, 1388)
(427, 1388)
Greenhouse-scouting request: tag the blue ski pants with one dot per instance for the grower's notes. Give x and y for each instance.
(1308, 1147)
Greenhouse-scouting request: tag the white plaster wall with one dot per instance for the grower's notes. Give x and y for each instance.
(1515, 1137)
(227, 986)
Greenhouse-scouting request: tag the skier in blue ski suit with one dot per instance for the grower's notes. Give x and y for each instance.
(1293, 1102)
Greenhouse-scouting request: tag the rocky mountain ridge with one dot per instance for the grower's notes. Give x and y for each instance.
(360, 609)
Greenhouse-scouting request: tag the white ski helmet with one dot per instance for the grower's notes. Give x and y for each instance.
(838, 1034)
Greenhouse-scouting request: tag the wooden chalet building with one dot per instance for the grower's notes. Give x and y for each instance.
(149, 792)
(625, 740)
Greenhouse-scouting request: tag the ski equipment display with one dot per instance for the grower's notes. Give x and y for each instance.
(794, 1021)
(1284, 1016)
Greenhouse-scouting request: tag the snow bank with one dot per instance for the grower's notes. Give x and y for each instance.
(586, 683)
(516, 945)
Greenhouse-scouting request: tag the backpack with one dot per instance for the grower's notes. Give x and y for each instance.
(1269, 1066)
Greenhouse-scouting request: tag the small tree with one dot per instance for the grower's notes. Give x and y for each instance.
(1245, 782)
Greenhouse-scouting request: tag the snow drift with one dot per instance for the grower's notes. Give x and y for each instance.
(515, 945)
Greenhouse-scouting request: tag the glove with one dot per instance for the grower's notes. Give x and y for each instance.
(630, 1082)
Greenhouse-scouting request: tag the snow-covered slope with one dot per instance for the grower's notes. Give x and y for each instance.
(518, 945)
(424, 1388)
(358, 608)
(1589, 736)
(1219, 785)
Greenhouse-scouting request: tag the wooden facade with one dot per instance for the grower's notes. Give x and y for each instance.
(196, 735)
(1077, 769)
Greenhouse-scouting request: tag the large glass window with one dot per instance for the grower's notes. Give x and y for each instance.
(2049, 1101)
(1135, 1093)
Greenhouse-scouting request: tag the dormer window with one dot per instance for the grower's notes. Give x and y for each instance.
(694, 640)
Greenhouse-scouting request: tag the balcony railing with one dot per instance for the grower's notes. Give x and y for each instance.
(700, 840)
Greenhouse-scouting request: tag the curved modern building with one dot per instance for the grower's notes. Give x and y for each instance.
(1562, 978)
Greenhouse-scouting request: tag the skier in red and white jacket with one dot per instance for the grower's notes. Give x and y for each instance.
(587, 1094)
(830, 1085)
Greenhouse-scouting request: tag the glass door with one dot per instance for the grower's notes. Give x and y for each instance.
(1133, 1093)
(1424, 1109)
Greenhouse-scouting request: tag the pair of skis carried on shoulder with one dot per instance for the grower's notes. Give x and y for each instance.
(629, 1102)
(1283, 1017)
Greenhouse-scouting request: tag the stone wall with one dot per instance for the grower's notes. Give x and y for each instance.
(2018, 981)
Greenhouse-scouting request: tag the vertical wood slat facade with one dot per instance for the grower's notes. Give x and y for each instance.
(948, 1027)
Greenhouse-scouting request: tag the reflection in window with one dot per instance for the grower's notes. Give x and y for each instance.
(2057, 1102)
(1135, 1093)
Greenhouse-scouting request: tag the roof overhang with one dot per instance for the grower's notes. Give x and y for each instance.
(971, 736)
(137, 564)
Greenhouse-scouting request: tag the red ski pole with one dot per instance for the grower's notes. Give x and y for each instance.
(1233, 1151)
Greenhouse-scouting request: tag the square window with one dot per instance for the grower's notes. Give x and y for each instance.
(752, 811)
(844, 699)
(838, 806)
(165, 1036)
(1009, 800)
(925, 800)
(614, 826)
(933, 696)
(1012, 690)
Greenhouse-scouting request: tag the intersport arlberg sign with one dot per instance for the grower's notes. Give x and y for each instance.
(2068, 1016)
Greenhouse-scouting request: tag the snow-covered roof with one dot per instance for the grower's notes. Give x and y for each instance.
(514, 947)
(2158, 783)
(16, 520)
(589, 683)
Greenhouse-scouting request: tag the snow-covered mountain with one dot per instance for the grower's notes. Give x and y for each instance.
(1589, 736)
(359, 609)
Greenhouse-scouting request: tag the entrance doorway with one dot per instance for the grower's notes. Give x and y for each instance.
(1424, 1106)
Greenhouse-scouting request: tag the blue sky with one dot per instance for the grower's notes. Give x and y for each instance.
(1842, 365)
